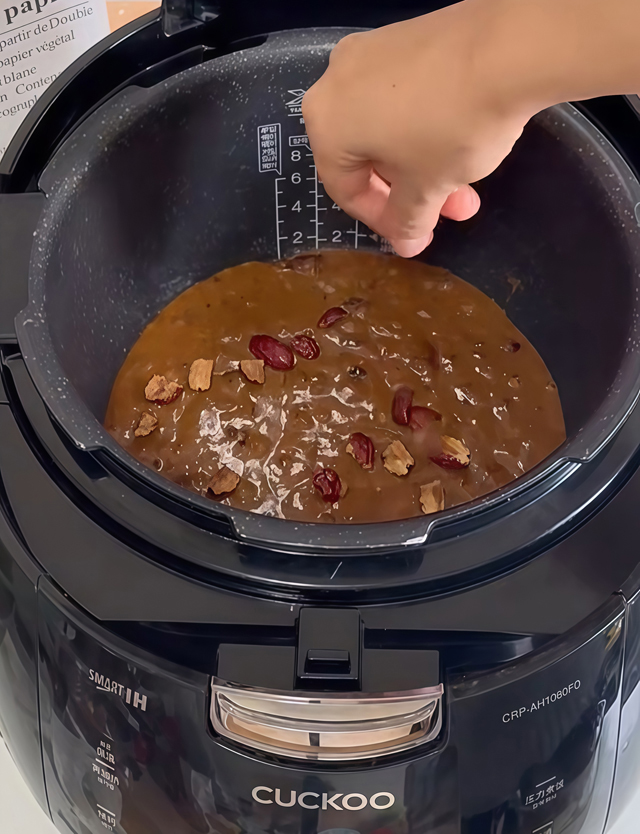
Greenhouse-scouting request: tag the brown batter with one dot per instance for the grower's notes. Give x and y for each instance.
(328, 440)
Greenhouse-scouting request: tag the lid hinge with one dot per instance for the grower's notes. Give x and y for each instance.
(178, 15)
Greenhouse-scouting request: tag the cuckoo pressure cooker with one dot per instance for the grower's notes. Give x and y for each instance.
(169, 665)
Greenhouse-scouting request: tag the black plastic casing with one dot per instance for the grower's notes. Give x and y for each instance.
(539, 658)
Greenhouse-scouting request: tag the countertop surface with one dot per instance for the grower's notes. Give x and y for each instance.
(20, 813)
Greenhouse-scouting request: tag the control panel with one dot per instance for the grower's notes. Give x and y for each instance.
(528, 748)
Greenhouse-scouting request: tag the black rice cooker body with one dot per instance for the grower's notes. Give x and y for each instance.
(108, 573)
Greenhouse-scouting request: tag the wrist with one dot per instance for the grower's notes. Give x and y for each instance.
(536, 53)
(514, 60)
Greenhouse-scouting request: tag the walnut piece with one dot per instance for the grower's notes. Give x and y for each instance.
(456, 449)
(146, 424)
(253, 369)
(200, 374)
(432, 497)
(225, 480)
(224, 365)
(397, 459)
(455, 454)
(159, 390)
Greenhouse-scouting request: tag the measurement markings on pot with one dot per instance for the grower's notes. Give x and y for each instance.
(541, 702)
(322, 801)
(303, 210)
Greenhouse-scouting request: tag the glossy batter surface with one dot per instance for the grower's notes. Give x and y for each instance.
(411, 332)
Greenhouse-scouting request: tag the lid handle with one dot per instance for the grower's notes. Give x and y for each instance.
(323, 726)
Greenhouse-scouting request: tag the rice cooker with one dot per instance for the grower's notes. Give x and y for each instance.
(170, 665)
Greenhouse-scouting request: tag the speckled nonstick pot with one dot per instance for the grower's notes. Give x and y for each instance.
(163, 186)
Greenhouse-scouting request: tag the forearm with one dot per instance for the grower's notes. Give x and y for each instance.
(406, 116)
(542, 52)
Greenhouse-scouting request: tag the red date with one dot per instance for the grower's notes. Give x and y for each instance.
(401, 406)
(361, 449)
(272, 352)
(332, 315)
(448, 462)
(421, 416)
(327, 482)
(512, 347)
(305, 346)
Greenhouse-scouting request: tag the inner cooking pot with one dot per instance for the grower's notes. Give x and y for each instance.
(163, 186)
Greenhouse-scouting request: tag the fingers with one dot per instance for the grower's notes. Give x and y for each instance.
(395, 212)
(400, 212)
(461, 204)
(411, 248)
(359, 190)
(411, 212)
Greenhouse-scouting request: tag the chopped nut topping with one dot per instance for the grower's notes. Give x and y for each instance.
(253, 369)
(224, 365)
(455, 454)
(514, 382)
(146, 424)
(397, 459)
(200, 374)
(225, 480)
(432, 497)
(159, 390)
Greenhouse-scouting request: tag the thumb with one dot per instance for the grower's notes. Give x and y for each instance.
(461, 204)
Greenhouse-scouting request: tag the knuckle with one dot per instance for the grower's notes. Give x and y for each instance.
(408, 228)
(344, 45)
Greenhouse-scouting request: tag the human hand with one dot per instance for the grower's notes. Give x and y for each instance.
(406, 116)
